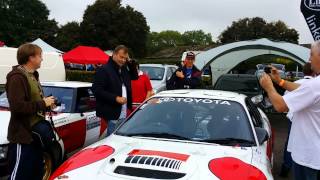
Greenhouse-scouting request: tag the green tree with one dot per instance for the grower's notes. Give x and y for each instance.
(68, 36)
(169, 38)
(24, 21)
(153, 44)
(256, 28)
(107, 24)
(165, 39)
(196, 38)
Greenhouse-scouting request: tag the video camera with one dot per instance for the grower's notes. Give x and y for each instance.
(267, 69)
(56, 101)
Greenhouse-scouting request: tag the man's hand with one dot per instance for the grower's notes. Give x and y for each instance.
(49, 101)
(266, 82)
(121, 100)
(179, 74)
(275, 75)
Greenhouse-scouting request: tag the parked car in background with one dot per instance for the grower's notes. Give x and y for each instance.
(182, 134)
(241, 83)
(74, 66)
(295, 75)
(158, 74)
(75, 122)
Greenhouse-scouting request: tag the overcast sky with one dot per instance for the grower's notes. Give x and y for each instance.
(211, 16)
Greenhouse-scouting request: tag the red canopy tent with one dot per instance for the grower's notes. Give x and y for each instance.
(85, 55)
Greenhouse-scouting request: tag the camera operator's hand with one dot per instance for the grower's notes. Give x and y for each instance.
(179, 74)
(275, 75)
(121, 100)
(49, 101)
(266, 82)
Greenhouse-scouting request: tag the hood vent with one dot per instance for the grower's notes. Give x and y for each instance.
(147, 173)
(154, 161)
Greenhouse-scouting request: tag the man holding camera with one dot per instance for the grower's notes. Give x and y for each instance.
(112, 88)
(27, 107)
(303, 101)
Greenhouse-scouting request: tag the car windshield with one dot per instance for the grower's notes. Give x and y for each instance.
(194, 119)
(63, 95)
(154, 73)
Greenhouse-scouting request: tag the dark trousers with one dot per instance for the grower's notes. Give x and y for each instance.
(113, 125)
(25, 162)
(287, 159)
(305, 173)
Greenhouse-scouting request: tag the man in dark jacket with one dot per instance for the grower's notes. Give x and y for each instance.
(27, 107)
(187, 76)
(112, 88)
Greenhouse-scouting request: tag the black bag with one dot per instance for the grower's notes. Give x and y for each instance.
(43, 134)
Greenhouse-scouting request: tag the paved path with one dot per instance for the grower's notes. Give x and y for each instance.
(280, 126)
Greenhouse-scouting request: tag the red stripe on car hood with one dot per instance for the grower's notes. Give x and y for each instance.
(177, 156)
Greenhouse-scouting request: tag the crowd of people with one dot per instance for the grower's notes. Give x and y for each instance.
(119, 84)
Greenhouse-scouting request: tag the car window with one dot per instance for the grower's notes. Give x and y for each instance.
(4, 100)
(86, 102)
(193, 118)
(169, 73)
(173, 69)
(154, 73)
(63, 95)
(248, 86)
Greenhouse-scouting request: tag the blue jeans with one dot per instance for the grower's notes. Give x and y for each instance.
(112, 125)
(305, 173)
(287, 159)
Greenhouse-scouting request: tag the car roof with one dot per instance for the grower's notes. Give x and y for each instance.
(203, 93)
(157, 65)
(68, 84)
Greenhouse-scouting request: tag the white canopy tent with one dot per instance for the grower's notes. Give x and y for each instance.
(45, 46)
(223, 58)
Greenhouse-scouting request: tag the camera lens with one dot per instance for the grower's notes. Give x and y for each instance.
(267, 70)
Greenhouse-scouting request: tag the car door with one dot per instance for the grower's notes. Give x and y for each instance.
(86, 107)
(69, 125)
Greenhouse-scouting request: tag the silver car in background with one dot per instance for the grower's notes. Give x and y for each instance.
(158, 74)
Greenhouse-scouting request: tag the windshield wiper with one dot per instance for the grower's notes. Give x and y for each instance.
(158, 135)
(229, 141)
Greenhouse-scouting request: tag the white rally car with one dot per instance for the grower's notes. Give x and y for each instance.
(181, 134)
(74, 119)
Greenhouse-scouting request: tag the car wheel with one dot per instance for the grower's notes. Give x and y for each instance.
(53, 158)
(48, 165)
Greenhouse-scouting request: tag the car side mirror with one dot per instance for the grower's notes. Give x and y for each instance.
(262, 135)
(257, 99)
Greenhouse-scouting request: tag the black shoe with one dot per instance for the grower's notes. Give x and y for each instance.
(284, 171)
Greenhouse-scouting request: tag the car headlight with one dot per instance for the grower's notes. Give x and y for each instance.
(3, 152)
